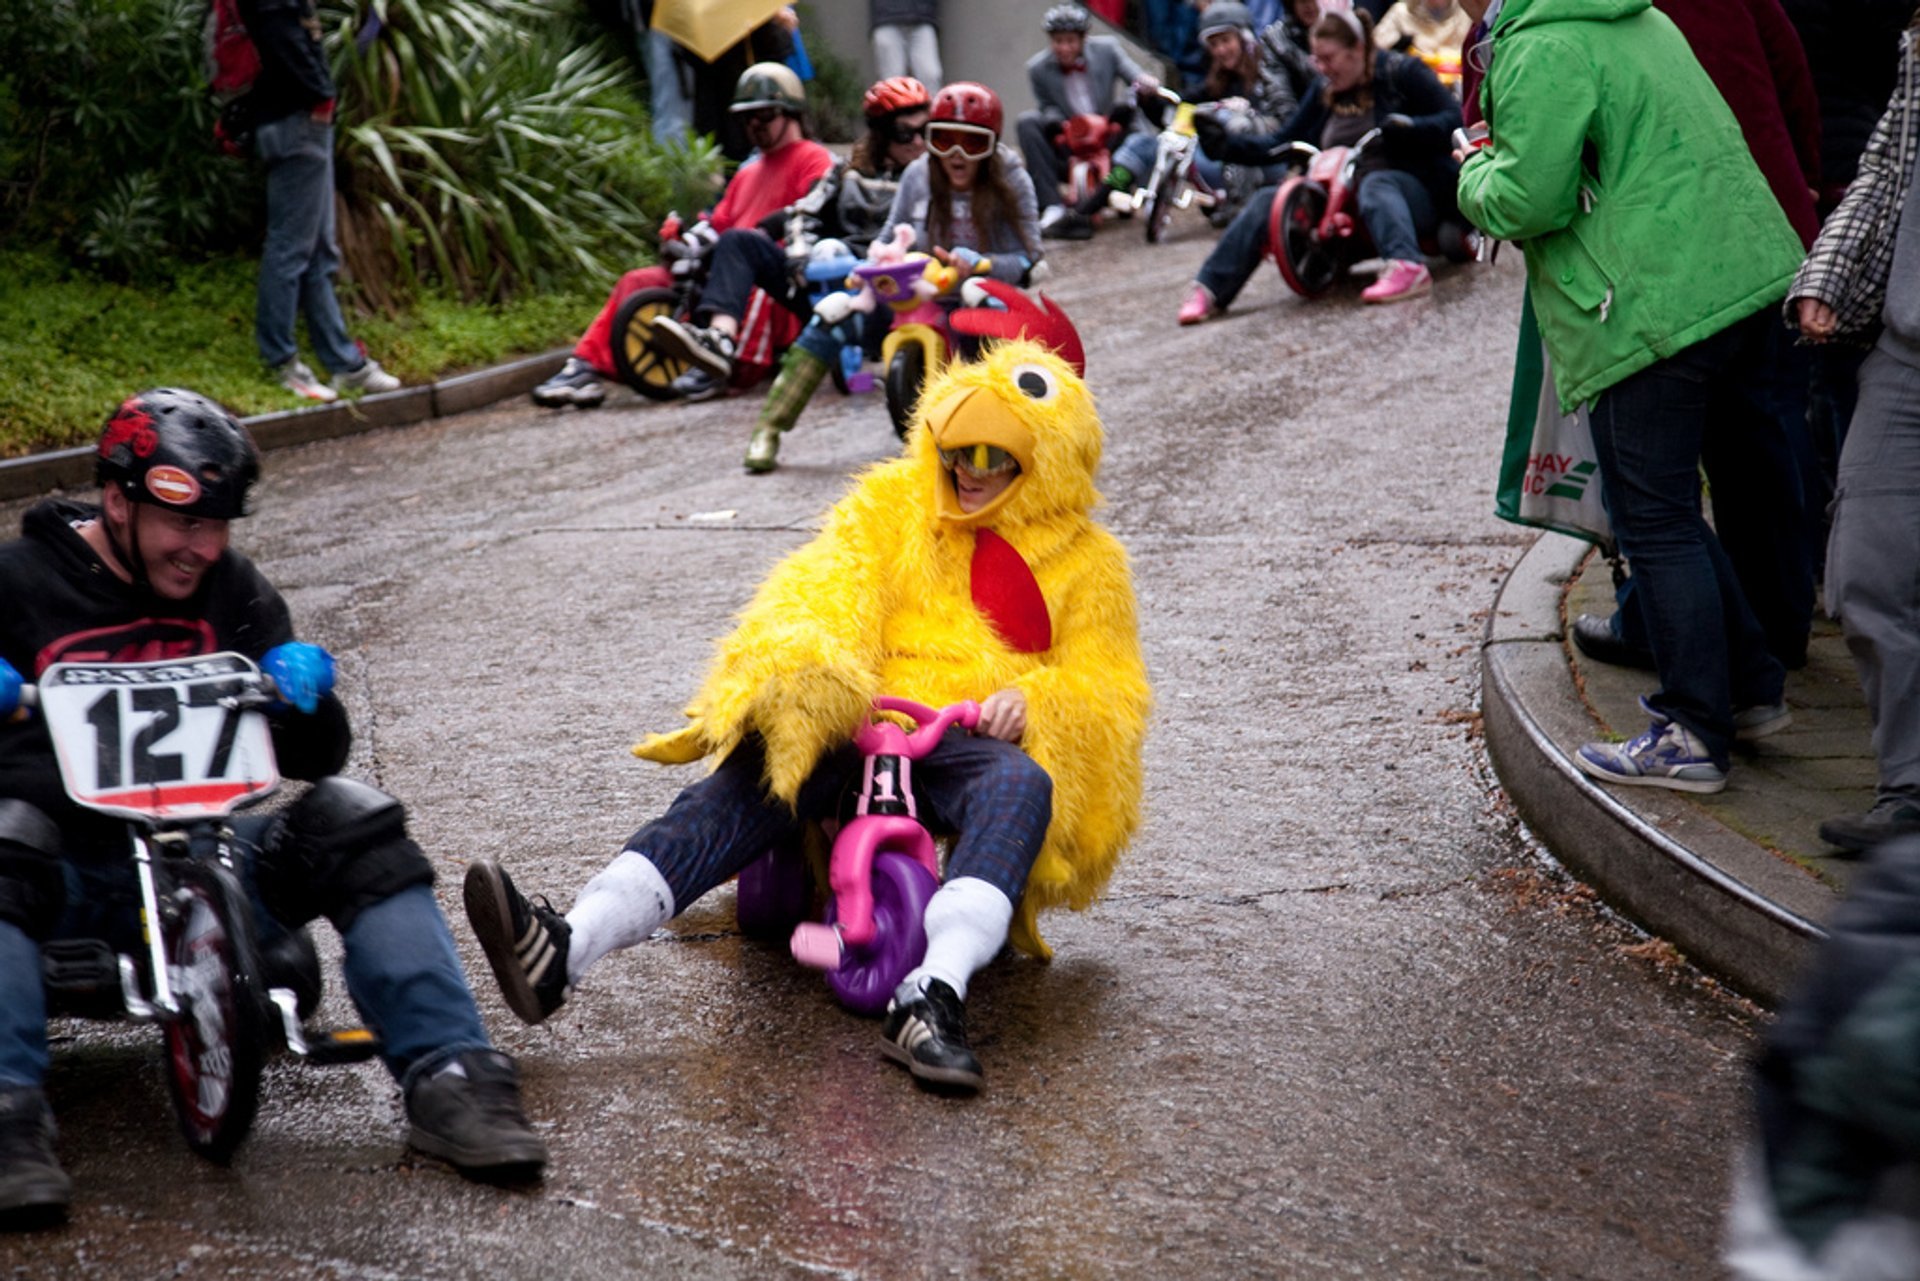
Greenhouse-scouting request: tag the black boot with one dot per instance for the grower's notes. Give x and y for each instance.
(467, 1112)
(34, 1190)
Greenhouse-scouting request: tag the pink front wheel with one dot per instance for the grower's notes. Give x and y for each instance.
(867, 975)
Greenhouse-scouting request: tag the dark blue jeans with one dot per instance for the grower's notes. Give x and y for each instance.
(1238, 251)
(300, 256)
(991, 793)
(742, 260)
(1648, 431)
(1395, 207)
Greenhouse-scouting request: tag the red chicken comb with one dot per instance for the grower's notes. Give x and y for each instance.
(1041, 322)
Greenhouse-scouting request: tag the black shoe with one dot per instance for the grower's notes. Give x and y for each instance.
(467, 1113)
(704, 348)
(1595, 638)
(34, 1190)
(697, 384)
(1891, 816)
(930, 1036)
(525, 942)
(1071, 225)
(577, 383)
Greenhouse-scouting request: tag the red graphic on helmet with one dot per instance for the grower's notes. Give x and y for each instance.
(132, 427)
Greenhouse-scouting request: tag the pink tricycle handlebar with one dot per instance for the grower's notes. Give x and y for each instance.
(884, 737)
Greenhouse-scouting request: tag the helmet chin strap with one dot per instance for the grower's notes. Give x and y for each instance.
(129, 556)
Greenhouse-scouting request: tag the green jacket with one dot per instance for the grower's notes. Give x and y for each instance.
(1620, 170)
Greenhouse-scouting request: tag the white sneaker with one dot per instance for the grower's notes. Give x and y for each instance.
(294, 375)
(368, 378)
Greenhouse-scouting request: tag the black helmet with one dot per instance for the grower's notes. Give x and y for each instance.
(177, 449)
(769, 84)
(1067, 17)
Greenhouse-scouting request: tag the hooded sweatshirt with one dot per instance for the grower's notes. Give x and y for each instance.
(1621, 172)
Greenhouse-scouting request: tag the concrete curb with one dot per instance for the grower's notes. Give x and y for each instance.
(66, 468)
(1733, 907)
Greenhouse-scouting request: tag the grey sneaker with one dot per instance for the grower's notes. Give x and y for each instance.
(294, 375)
(696, 384)
(1890, 816)
(704, 348)
(34, 1190)
(1760, 720)
(369, 379)
(467, 1113)
(577, 383)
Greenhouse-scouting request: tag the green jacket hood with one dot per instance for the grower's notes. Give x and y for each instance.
(1515, 14)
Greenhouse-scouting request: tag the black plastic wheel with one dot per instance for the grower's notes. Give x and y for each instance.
(775, 894)
(1307, 265)
(906, 374)
(635, 358)
(1160, 202)
(216, 1046)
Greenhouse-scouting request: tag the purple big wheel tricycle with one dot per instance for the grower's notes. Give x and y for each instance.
(883, 871)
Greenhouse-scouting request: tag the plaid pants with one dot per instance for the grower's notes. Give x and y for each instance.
(989, 791)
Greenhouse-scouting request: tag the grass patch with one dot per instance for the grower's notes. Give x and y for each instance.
(72, 346)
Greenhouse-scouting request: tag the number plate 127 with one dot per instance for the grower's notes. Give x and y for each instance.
(152, 740)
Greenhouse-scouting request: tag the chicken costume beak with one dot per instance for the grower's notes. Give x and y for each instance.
(968, 417)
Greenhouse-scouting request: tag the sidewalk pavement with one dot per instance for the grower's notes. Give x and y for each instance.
(1739, 881)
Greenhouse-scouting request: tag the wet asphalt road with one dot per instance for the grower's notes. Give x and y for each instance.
(1333, 1018)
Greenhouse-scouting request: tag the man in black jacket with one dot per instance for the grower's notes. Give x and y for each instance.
(146, 575)
(291, 105)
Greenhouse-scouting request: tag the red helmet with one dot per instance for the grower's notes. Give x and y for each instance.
(967, 103)
(893, 95)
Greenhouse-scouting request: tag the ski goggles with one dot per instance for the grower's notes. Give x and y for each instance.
(947, 138)
(979, 461)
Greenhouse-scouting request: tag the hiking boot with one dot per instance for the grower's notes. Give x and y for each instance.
(525, 942)
(1199, 306)
(697, 384)
(1596, 638)
(702, 346)
(929, 1035)
(294, 375)
(1667, 755)
(577, 383)
(369, 378)
(467, 1113)
(763, 450)
(1890, 816)
(1402, 280)
(34, 1190)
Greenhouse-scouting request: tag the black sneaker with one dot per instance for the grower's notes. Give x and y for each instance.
(697, 384)
(467, 1113)
(706, 348)
(34, 1190)
(1071, 225)
(577, 383)
(930, 1036)
(525, 942)
(1891, 816)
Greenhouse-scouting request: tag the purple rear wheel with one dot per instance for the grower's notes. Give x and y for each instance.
(866, 978)
(775, 894)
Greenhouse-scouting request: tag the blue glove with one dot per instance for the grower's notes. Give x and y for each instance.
(10, 683)
(966, 259)
(302, 673)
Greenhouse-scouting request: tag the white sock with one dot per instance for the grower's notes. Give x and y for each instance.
(967, 924)
(620, 907)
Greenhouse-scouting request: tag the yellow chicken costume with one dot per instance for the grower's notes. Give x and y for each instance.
(904, 593)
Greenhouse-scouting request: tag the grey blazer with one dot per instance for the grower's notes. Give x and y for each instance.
(1110, 70)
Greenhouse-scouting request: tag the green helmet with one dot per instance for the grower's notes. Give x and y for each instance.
(769, 84)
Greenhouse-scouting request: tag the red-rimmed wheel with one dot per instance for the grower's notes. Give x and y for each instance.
(214, 1045)
(1306, 263)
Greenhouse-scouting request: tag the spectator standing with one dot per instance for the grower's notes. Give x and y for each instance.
(293, 105)
(1865, 271)
(1653, 250)
(906, 40)
(670, 117)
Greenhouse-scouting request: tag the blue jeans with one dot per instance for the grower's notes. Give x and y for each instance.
(666, 94)
(742, 260)
(1237, 252)
(1398, 211)
(298, 262)
(401, 971)
(990, 792)
(1648, 431)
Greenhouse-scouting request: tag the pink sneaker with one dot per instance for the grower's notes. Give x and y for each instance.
(1403, 280)
(1199, 306)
